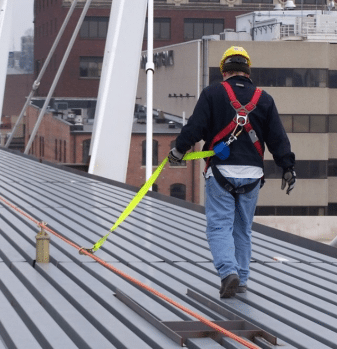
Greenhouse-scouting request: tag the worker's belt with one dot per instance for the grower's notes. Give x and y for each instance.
(225, 184)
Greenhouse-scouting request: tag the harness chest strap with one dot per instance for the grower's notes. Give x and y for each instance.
(241, 110)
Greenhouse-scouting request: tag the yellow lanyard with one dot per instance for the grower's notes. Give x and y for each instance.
(141, 193)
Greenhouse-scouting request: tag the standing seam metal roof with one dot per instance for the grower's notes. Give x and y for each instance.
(70, 302)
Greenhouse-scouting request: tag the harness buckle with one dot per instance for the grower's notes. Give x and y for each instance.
(242, 120)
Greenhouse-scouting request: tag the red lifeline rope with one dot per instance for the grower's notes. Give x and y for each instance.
(137, 282)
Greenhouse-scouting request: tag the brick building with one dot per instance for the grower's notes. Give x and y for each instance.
(175, 21)
(58, 140)
(63, 140)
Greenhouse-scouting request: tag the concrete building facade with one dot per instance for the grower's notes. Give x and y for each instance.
(302, 78)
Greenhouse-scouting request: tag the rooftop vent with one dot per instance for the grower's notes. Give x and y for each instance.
(171, 124)
(289, 5)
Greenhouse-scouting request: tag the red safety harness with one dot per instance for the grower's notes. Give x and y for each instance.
(241, 119)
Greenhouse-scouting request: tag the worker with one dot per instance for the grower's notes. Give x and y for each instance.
(236, 120)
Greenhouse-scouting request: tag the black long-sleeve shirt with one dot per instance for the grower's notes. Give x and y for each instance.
(213, 112)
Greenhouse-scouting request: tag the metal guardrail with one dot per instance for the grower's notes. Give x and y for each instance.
(308, 29)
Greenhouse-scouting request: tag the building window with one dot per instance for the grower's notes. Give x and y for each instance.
(332, 168)
(60, 151)
(285, 77)
(333, 78)
(305, 169)
(204, 1)
(154, 153)
(178, 190)
(85, 151)
(307, 123)
(291, 211)
(41, 147)
(56, 149)
(91, 67)
(161, 29)
(94, 27)
(183, 163)
(64, 151)
(195, 28)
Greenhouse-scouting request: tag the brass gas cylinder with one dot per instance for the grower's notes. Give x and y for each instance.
(42, 245)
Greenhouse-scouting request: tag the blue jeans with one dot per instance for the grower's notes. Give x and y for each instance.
(229, 223)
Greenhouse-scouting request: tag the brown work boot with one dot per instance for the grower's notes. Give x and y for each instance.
(229, 286)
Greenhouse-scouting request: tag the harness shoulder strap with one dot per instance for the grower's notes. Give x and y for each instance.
(236, 104)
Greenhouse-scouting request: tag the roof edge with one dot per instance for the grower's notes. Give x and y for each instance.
(155, 195)
(296, 240)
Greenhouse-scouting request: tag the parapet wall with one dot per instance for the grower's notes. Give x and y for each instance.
(323, 229)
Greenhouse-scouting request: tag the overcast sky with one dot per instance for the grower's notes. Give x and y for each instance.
(22, 20)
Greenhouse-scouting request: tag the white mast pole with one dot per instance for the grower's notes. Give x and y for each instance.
(58, 74)
(36, 83)
(149, 98)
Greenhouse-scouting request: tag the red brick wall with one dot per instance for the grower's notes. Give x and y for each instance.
(17, 89)
(177, 22)
(70, 84)
(51, 130)
(170, 175)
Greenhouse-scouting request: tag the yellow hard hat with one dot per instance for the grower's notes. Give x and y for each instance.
(235, 51)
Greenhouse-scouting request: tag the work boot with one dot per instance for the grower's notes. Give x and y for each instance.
(229, 286)
(242, 289)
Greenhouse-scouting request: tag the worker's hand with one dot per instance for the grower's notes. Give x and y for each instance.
(175, 157)
(289, 176)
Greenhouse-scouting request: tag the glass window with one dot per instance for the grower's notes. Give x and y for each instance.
(161, 29)
(332, 167)
(283, 211)
(333, 78)
(287, 122)
(255, 76)
(318, 169)
(214, 75)
(94, 27)
(102, 29)
(300, 211)
(332, 209)
(85, 150)
(303, 169)
(91, 67)
(195, 28)
(178, 191)
(333, 123)
(318, 124)
(268, 78)
(154, 153)
(301, 123)
(285, 77)
(265, 211)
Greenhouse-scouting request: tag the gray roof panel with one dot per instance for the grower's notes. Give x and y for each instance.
(74, 302)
